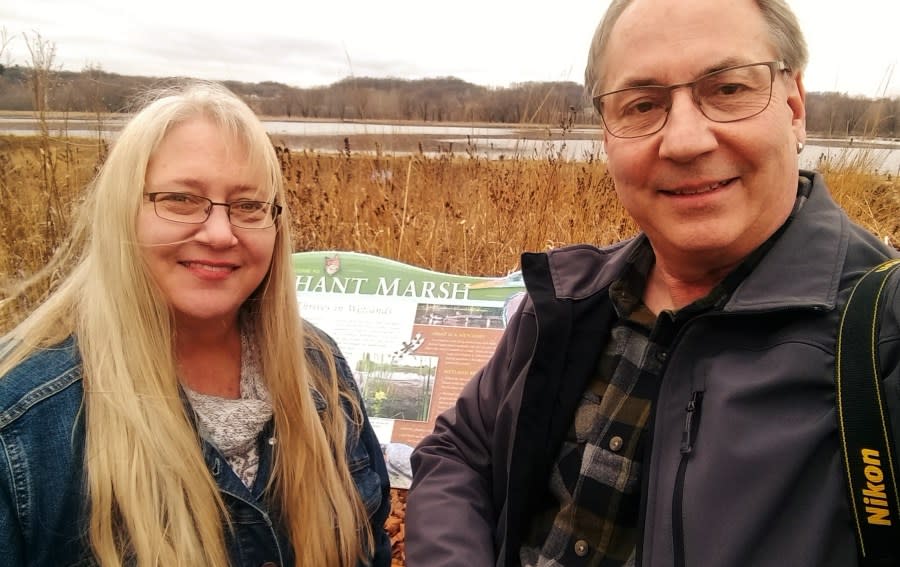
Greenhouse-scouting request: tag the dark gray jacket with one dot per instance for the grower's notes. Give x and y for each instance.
(762, 485)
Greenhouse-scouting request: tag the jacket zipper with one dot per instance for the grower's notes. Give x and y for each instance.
(688, 435)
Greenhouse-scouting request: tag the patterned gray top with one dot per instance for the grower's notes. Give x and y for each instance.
(233, 426)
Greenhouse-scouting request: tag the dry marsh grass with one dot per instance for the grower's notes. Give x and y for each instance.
(451, 213)
(871, 200)
(41, 182)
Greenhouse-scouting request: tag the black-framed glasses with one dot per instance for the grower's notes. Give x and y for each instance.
(727, 95)
(194, 209)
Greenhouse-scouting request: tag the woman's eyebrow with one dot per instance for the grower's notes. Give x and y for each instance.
(200, 185)
(188, 182)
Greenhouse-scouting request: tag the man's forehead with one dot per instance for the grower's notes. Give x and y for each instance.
(652, 38)
(670, 19)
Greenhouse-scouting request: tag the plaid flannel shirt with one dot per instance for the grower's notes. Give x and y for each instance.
(592, 502)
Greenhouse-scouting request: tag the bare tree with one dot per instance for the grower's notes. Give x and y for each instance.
(42, 54)
(5, 40)
(41, 73)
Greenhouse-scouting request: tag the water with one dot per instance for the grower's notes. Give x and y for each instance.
(883, 159)
(356, 128)
(486, 141)
(495, 148)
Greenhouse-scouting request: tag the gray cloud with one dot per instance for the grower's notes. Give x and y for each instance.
(305, 44)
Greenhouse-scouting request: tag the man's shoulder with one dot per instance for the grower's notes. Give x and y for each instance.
(590, 251)
(581, 270)
(890, 316)
(36, 381)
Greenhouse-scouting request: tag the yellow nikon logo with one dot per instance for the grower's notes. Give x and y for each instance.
(887, 265)
(874, 496)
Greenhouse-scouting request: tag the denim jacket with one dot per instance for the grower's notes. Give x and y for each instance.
(43, 497)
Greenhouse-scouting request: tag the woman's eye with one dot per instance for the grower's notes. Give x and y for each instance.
(178, 198)
(248, 206)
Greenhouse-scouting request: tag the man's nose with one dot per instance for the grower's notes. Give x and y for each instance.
(687, 133)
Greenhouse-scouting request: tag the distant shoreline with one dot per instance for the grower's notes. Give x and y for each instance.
(15, 122)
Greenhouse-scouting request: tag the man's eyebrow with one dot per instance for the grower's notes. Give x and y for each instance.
(724, 64)
(641, 82)
(717, 66)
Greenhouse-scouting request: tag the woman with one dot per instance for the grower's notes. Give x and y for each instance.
(167, 405)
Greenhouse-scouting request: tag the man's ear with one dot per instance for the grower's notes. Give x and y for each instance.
(796, 100)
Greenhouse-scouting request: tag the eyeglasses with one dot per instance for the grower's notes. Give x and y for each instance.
(193, 209)
(727, 95)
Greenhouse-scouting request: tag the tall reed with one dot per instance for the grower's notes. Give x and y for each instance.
(41, 182)
(457, 213)
(449, 213)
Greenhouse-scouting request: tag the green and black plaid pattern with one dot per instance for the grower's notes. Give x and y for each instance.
(593, 499)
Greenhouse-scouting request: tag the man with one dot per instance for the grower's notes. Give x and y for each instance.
(669, 400)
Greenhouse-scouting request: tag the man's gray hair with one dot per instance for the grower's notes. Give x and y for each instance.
(780, 19)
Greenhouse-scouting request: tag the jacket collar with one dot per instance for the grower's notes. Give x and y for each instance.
(812, 250)
(581, 270)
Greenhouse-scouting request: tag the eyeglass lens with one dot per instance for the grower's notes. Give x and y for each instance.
(723, 96)
(187, 208)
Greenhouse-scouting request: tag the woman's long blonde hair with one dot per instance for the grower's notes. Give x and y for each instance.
(151, 497)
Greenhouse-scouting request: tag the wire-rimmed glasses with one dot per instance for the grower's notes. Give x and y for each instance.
(727, 95)
(194, 209)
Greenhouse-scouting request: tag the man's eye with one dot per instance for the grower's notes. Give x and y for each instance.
(640, 106)
(729, 89)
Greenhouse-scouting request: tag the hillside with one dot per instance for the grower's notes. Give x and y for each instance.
(441, 99)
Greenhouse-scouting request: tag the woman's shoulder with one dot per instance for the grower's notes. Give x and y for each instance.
(317, 340)
(320, 347)
(36, 381)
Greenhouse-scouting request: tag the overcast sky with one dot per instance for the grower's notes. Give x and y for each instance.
(854, 46)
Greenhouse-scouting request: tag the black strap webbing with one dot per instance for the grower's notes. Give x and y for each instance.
(865, 430)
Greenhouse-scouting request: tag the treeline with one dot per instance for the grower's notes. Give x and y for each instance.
(364, 98)
(428, 100)
(835, 114)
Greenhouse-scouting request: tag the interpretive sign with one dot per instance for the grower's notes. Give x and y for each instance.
(412, 337)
